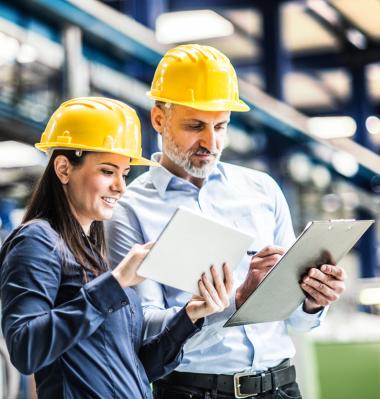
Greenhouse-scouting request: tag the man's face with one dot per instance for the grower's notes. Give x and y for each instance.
(194, 139)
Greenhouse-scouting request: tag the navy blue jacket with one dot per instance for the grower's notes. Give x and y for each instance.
(80, 340)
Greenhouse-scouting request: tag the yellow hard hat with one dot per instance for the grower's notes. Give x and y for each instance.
(95, 124)
(199, 77)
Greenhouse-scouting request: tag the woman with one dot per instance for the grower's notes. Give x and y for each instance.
(66, 316)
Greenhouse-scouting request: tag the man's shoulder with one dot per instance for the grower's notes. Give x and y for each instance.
(255, 177)
(139, 183)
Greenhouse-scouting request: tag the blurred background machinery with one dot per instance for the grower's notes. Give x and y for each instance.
(310, 70)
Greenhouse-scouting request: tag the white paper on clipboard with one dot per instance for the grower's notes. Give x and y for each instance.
(279, 293)
(189, 244)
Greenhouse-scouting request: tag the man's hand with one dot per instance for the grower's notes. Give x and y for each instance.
(323, 286)
(260, 265)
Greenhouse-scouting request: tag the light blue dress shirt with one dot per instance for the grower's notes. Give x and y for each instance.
(244, 198)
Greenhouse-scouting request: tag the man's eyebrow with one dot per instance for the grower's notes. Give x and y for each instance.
(113, 165)
(200, 121)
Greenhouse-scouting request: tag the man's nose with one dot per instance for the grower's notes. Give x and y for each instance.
(208, 140)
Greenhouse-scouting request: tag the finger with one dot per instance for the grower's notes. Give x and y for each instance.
(316, 296)
(331, 294)
(228, 278)
(219, 284)
(338, 272)
(148, 245)
(210, 304)
(264, 263)
(211, 290)
(329, 280)
(271, 250)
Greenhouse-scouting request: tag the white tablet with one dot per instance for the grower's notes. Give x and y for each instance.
(279, 293)
(189, 244)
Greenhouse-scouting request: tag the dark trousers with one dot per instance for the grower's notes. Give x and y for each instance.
(162, 390)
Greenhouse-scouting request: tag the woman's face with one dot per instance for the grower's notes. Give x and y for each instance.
(94, 187)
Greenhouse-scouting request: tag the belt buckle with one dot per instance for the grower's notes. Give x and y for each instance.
(237, 392)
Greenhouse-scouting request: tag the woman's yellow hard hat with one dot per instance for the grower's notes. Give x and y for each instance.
(199, 77)
(95, 124)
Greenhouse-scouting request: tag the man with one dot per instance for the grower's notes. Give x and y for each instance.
(195, 88)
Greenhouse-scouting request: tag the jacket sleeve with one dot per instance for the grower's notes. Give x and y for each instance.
(36, 331)
(162, 353)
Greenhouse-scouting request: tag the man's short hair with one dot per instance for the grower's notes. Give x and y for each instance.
(163, 105)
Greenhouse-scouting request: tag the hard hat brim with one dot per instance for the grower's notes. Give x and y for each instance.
(135, 160)
(213, 105)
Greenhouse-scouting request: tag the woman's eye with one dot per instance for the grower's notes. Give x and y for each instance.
(107, 172)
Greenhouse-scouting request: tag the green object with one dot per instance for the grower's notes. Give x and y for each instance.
(348, 370)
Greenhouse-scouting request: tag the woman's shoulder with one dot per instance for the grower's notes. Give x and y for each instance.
(34, 237)
(35, 232)
(36, 228)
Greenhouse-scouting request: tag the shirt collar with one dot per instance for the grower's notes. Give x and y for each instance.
(161, 177)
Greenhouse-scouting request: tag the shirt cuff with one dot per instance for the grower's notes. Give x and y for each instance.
(303, 320)
(106, 294)
(181, 327)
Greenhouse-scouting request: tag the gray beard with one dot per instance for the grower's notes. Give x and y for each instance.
(183, 160)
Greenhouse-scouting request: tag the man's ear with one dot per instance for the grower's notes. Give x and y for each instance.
(62, 168)
(157, 117)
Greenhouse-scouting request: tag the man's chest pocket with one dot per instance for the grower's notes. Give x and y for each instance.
(258, 222)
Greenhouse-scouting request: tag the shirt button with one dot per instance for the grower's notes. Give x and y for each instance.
(123, 303)
(110, 310)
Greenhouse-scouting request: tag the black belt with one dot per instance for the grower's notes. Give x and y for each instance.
(242, 385)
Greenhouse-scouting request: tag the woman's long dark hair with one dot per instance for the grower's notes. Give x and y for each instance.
(49, 202)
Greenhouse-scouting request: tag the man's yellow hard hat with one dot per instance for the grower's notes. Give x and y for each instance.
(95, 124)
(199, 77)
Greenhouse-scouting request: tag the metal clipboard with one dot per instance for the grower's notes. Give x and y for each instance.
(279, 293)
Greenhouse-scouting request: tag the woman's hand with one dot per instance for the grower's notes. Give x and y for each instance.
(214, 297)
(125, 271)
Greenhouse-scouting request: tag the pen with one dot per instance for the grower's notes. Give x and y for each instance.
(252, 253)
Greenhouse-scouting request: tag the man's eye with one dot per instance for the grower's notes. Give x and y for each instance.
(194, 127)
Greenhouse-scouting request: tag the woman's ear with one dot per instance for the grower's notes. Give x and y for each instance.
(62, 167)
(157, 117)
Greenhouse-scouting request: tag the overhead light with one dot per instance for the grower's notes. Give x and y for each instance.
(356, 38)
(320, 176)
(186, 26)
(14, 154)
(331, 203)
(239, 141)
(370, 296)
(372, 124)
(9, 47)
(324, 10)
(26, 54)
(345, 164)
(299, 167)
(331, 127)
